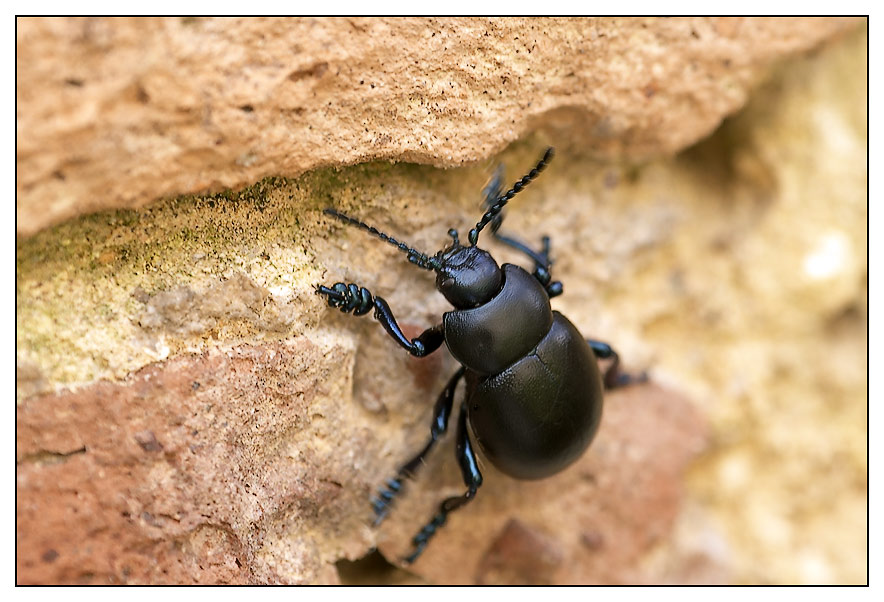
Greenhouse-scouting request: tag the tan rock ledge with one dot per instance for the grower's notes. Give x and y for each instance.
(115, 113)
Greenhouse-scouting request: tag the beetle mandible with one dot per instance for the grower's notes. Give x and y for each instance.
(533, 398)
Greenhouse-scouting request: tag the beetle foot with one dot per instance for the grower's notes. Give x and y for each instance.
(424, 535)
(554, 289)
(383, 501)
(347, 298)
(624, 379)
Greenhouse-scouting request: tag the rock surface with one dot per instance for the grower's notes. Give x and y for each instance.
(189, 411)
(195, 470)
(114, 113)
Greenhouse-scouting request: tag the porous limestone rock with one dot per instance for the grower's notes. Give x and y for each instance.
(189, 411)
(114, 113)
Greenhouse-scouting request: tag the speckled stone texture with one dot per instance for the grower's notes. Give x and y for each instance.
(188, 410)
(119, 112)
(190, 472)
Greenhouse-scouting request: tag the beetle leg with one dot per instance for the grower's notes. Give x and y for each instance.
(441, 413)
(472, 478)
(427, 342)
(542, 262)
(614, 378)
(490, 194)
(349, 297)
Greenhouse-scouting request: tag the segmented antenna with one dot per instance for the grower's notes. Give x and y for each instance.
(421, 260)
(503, 200)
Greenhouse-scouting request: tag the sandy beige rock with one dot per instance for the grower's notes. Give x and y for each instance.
(735, 272)
(117, 113)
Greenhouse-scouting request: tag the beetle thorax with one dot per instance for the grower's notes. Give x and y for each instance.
(468, 276)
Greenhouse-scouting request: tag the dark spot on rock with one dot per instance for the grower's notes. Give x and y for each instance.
(316, 70)
(425, 370)
(592, 540)
(194, 385)
(50, 555)
(371, 569)
(75, 82)
(611, 179)
(139, 294)
(520, 555)
(247, 108)
(148, 441)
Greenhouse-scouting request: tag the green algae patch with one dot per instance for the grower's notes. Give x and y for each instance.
(107, 293)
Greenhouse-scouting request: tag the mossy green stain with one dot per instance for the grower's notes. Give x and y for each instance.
(77, 309)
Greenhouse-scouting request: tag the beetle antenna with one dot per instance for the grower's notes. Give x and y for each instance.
(421, 260)
(503, 200)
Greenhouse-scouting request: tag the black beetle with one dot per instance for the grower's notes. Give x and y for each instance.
(533, 388)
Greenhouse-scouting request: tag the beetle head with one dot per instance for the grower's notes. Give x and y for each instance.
(467, 276)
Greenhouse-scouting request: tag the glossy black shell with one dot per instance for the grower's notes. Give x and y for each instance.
(489, 338)
(533, 386)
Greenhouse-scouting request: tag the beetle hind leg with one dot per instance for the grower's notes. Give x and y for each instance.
(614, 378)
(469, 468)
(382, 502)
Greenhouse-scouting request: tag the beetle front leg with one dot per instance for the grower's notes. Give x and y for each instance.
(472, 478)
(542, 262)
(613, 377)
(349, 297)
(441, 414)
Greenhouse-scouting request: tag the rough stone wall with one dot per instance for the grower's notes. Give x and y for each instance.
(188, 410)
(119, 112)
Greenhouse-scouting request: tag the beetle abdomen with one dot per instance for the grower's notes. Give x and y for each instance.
(489, 338)
(539, 415)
